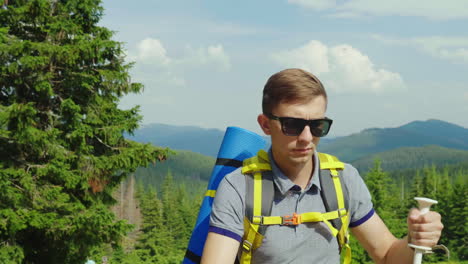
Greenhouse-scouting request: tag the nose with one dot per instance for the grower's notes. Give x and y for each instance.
(306, 135)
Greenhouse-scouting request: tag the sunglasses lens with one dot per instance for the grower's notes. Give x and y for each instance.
(320, 128)
(292, 126)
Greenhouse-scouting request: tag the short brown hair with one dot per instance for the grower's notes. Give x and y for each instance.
(291, 85)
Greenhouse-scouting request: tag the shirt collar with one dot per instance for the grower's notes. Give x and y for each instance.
(284, 184)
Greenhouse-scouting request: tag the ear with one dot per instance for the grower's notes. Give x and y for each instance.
(264, 123)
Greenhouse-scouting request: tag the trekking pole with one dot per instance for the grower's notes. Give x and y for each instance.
(424, 206)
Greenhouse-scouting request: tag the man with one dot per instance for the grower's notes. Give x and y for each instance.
(291, 98)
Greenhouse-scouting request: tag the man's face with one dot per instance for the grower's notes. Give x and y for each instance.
(291, 151)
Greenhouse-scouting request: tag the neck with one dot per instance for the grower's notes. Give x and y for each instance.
(300, 173)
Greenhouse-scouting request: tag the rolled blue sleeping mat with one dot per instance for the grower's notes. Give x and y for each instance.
(238, 144)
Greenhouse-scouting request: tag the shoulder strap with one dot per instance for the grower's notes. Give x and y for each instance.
(263, 195)
(329, 194)
(266, 197)
(257, 163)
(335, 197)
(258, 202)
(331, 167)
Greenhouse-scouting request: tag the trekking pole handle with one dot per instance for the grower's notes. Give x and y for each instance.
(424, 207)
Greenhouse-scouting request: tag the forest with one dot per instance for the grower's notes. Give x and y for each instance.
(175, 210)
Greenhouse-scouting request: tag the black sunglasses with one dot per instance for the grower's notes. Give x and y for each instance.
(294, 126)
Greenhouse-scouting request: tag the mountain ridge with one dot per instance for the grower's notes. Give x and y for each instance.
(348, 148)
(412, 158)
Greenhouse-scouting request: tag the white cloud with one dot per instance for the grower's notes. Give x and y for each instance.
(161, 73)
(216, 54)
(342, 68)
(313, 56)
(213, 55)
(315, 4)
(347, 14)
(152, 51)
(358, 71)
(454, 49)
(432, 9)
(229, 29)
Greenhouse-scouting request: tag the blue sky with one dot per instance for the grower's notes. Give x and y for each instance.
(383, 63)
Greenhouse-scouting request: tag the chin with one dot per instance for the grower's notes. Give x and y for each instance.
(301, 159)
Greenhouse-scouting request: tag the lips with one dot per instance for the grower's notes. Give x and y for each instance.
(302, 150)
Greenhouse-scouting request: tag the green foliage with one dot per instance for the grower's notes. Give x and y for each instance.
(447, 185)
(358, 253)
(183, 165)
(161, 241)
(456, 212)
(387, 205)
(168, 220)
(186, 167)
(62, 150)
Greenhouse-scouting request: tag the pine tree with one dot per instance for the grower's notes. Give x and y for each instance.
(416, 188)
(62, 149)
(430, 182)
(152, 243)
(174, 223)
(455, 233)
(378, 183)
(187, 214)
(386, 204)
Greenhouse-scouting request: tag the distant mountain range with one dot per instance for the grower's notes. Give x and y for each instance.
(196, 139)
(413, 157)
(417, 143)
(414, 134)
(352, 147)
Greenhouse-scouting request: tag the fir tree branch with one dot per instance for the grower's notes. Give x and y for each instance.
(113, 148)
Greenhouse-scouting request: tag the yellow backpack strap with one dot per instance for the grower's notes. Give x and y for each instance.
(252, 239)
(257, 163)
(258, 199)
(335, 197)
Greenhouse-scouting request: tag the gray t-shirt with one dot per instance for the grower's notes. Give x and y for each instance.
(304, 243)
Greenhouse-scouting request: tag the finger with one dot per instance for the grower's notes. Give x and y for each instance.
(427, 239)
(426, 227)
(424, 242)
(413, 215)
(433, 235)
(430, 217)
(430, 241)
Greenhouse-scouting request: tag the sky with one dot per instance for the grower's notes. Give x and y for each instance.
(383, 63)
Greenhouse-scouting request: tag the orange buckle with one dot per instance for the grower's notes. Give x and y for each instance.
(294, 219)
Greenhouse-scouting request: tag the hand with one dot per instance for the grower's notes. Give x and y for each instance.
(424, 230)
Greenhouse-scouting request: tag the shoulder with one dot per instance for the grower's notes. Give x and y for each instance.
(350, 172)
(232, 184)
(360, 200)
(236, 179)
(352, 178)
(227, 212)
